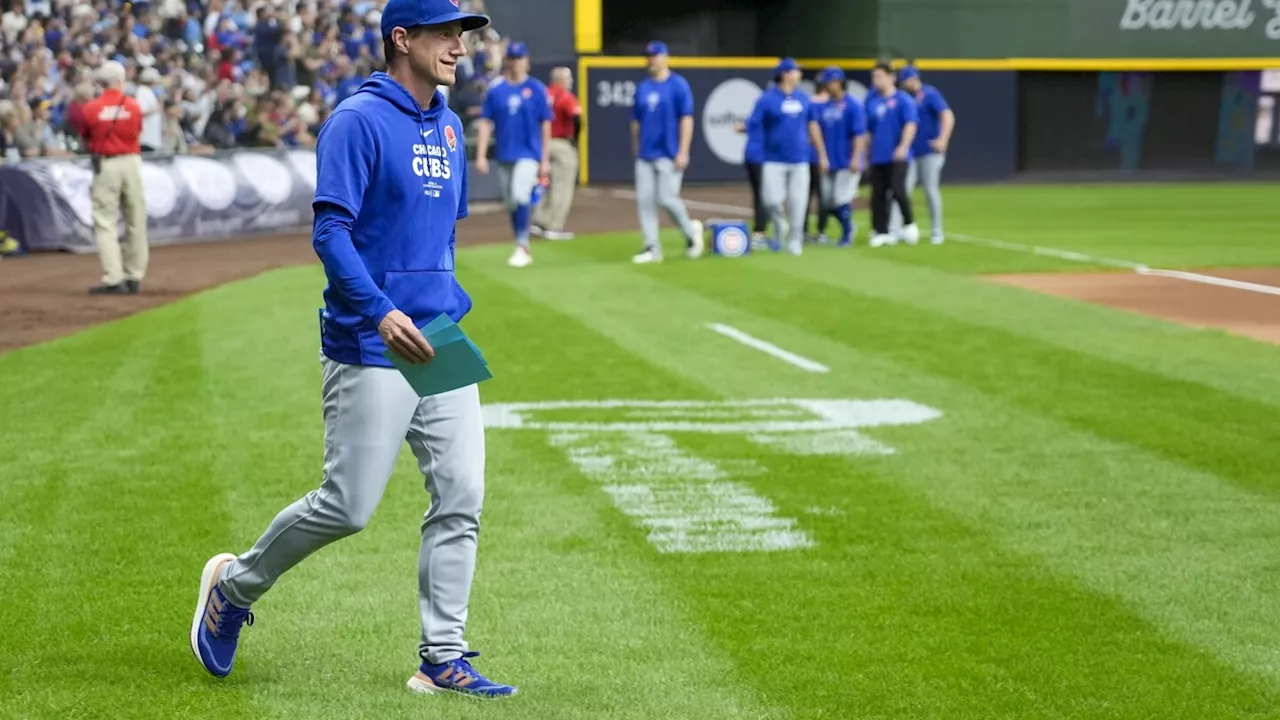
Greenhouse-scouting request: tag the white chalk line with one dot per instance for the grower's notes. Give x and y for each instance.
(696, 204)
(1211, 280)
(1071, 255)
(768, 348)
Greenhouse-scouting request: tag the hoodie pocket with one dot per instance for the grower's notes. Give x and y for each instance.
(425, 294)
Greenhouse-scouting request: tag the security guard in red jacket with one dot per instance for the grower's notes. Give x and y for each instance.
(112, 124)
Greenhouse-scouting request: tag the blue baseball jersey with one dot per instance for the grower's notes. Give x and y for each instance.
(517, 113)
(931, 105)
(754, 151)
(841, 121)
(659, 105)
(785, 120)
(391, 184)
(886, 119)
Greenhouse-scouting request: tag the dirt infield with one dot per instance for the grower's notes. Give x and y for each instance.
(1242, 312)
(46, 296)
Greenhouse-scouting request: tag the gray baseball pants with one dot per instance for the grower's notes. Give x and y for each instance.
(368, 413)
(516, 184)
(928, 171)
(658, 185)
(789, 183)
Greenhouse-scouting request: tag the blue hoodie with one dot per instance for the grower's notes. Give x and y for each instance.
(391, 184)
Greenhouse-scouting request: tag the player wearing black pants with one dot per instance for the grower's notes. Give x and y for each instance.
(892, 117)
(889, 184)
(753, 177)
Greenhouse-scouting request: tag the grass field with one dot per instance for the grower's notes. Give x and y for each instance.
(1072, 512)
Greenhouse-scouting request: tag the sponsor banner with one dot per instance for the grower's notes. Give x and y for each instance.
(1171, 122)
(46, 205)
(984, 146)
(1174, 28)
(188, 198)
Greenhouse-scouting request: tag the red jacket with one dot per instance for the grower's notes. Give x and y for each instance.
(564, 110)
(112, 124)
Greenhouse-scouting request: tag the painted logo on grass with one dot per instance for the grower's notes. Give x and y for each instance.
(688, 504)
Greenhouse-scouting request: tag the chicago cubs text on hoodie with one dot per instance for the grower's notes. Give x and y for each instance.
(391, 182)
(784, 118)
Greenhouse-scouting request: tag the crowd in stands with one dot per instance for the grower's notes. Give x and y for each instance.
(208, 74)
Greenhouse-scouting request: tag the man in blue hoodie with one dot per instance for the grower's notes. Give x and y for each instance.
(391, 185)
(517, 112)
(783, 114)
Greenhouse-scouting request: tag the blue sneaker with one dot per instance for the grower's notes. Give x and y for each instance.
(215, 629)
(458, 676)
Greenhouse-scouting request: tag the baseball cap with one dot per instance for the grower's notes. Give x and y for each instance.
(412, 13)
(908, 72)
(785, 65)
(517, 50)
(831, 74)
(657, 47)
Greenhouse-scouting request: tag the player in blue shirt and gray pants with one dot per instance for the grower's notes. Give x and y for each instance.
(783, 114)
(843, 128)
(391, 184)
(891, 120)
(517, 113)
(929, 149)
(661, 132)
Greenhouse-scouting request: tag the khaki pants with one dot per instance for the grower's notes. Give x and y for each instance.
(554, 209)
(120, 180)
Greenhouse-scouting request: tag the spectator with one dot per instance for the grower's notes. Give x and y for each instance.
(174, 136)
(8, 132)
(152, 111)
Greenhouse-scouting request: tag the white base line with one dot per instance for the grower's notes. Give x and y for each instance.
(1138, 268)
(1032, 249)
(696, 204)
(769, 348)
(1211, 280)
(1048, 252)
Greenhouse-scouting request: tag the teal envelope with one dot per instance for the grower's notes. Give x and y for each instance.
(457, 362)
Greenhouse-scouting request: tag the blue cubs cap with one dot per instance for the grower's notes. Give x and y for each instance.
(831, 74)
(786, 65)
(517, 50)
(412, 13)
(908, 72)
(657, 47)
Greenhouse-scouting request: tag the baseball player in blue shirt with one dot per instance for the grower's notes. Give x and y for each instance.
(843, 127)
(391, 184)
(517, 112)
(661, 131)
(929, 149)
(783, 113)
(891, 120)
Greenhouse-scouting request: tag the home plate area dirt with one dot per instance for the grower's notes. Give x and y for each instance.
(1242, 312)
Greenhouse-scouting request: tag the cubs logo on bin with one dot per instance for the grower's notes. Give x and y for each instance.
(729, 238)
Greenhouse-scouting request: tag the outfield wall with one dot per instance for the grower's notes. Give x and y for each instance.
(1010, 122)
(45, 203)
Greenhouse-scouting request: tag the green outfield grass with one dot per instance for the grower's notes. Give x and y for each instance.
(1088, 526)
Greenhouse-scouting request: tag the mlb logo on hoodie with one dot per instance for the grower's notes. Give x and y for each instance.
(450, 137)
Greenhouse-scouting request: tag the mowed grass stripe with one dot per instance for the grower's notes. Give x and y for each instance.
(103, 577)
(662, 328)
(566, 604)
(1175, 225)
(1185, 546)
(1240, 367)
